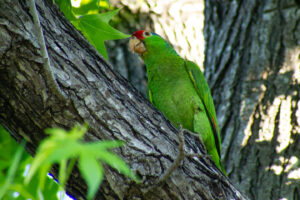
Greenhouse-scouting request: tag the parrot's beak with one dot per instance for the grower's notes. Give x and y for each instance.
(136, 45)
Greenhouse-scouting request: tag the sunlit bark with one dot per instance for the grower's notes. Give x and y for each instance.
(89, 91)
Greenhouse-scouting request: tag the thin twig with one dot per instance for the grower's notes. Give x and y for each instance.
(50, 80)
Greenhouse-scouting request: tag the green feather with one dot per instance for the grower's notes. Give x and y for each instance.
(179, 90)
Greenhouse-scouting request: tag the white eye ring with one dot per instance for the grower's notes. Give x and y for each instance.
(146, 34)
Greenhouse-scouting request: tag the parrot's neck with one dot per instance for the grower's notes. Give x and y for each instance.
(157, 50)
(160, 62)
(156, 57)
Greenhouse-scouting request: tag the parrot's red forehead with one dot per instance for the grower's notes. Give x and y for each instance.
(139, 34)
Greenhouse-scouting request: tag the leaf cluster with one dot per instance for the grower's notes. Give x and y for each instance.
(67, 147)
(14, 164)
(61, 147)
(93, 25)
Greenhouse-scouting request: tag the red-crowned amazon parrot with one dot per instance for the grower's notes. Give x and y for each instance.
(178, 88)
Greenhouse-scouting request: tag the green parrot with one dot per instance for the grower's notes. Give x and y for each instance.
(178, 89)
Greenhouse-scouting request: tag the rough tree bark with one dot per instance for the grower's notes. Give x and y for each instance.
(252, 63)
(90, 91)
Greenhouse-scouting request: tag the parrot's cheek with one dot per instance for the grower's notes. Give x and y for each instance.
(137, 46)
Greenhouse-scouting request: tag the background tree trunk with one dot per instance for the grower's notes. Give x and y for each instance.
(90, 91)
(252, 63)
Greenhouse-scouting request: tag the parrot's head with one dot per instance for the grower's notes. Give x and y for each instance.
(146, 42)
(138, 40)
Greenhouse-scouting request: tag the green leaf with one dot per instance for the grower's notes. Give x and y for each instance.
(64, 150)
(22, 191)
(51, 152)
(96, 29)
(62, 175)
(66, 7)
(60, 134)
(62, 146)
(40, 159)
(116, 162)
(50, 192)
(90, 7)
(78, 131)
(10, 149)
(56, 132)
(12, 170)
(70, 167)
(44, 169)
(92, 172)
(107, 16)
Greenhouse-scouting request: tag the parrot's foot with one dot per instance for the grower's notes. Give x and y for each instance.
(196, 155)
(181, 154)
(196, 135)
(176, 163)
(179, 158)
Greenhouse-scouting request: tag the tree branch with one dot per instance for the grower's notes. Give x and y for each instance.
(102, 98)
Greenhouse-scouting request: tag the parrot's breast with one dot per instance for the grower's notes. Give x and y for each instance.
(175, 96)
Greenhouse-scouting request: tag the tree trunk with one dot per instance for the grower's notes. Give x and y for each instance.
(88, 90)
(252, 63)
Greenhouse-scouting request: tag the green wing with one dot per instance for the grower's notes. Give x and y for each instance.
(203, 91)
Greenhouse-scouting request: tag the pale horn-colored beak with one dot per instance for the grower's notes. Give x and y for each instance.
(136, 45)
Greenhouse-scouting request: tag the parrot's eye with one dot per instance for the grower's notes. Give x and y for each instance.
(147, 34)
